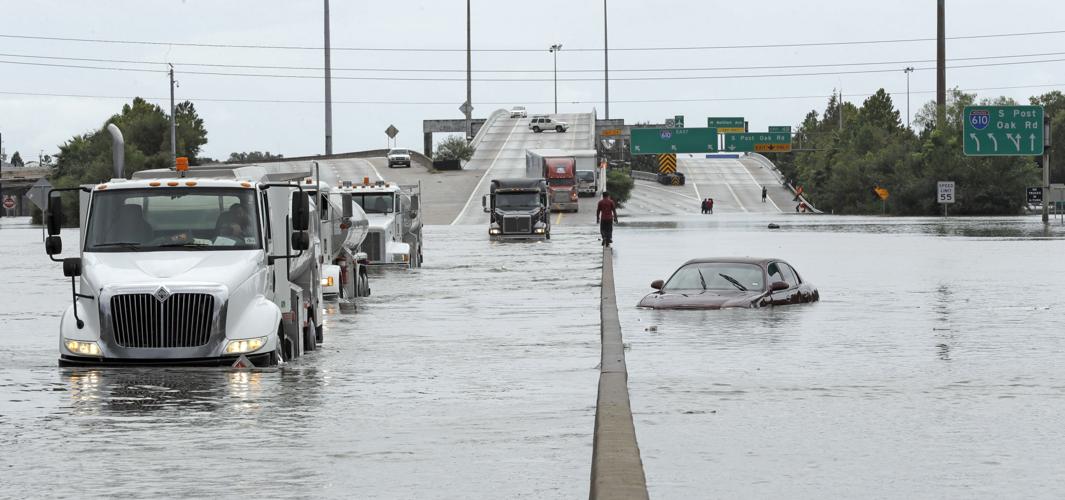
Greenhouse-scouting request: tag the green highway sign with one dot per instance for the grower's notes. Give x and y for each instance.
(647, 141)
(1003, 131)
(727, 125)
(786, 129)
(762, 142)
(678, 121)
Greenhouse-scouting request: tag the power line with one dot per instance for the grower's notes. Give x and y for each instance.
(598, 70)
(579, 49)
(526, 80)
(507, 103)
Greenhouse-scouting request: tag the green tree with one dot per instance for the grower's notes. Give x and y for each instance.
(1054, 107)
(252, 157)
(619, 185)
(453, 148)
(16, 160)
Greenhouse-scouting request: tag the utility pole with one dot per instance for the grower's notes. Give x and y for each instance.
(908, 70)
(941, 65)
(469, 77)
(554, 51)
(2, 171)
(606, 63)
(328, 89)
(173, 121)
(840, 104)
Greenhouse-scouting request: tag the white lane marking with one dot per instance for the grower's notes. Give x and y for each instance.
(738, 202)
(697, 193)
(375, 172)
(755, 181)
(477, 188)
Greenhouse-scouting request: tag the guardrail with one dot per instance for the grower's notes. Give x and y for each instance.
(487, 123)
(780, 178)
(643, 176)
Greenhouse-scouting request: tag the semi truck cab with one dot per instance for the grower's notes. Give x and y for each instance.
(518, 208)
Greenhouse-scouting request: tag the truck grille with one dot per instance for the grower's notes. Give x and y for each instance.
(560, 196)
(181, 320)
(372, 246)
(517, 225)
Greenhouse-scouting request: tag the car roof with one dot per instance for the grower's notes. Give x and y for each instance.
(758, 261)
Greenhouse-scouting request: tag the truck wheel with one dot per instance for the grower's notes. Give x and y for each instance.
(536, 130)
(559, 129)
(547, 235)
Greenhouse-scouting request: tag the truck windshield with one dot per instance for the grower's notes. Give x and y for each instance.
(560, 182)
(172, 219)
(517, 201)
(375, 203)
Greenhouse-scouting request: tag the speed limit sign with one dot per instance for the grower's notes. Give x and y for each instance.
(946, 191)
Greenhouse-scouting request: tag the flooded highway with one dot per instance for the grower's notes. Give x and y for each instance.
(472, 377)
(931, 368)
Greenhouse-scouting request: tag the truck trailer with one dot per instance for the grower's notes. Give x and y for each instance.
(559, 169)
(208, 266)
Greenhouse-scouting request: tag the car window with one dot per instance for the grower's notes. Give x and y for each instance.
(776, 274)
(790, 274)
(716, 276)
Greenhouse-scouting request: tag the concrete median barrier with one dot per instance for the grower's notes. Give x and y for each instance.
(617, 470)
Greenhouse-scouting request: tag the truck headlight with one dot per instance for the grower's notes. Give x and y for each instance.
(243, 346)
(82, 347)
(494, 231)
(327, 281)
(539, 230)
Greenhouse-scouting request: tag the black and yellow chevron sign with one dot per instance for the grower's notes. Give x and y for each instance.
(667, 163)
(675, 181)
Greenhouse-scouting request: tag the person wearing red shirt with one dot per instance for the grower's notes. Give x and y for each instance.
(605, 215)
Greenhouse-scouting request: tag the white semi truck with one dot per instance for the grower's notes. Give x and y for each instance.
(204, 267)
(394, 214)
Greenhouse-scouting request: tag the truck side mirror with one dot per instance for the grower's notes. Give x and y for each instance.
(53, 245)
(658, 284)
(301, 211)
(301, 241)
(72, 267)
(415, 203)
(484, 203)
(55, 215)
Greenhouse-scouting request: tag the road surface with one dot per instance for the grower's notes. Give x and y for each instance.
(501, 154)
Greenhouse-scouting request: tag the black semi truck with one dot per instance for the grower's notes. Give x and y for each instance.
(518, 209)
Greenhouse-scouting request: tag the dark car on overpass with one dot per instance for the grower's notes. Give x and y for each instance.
(724, 283)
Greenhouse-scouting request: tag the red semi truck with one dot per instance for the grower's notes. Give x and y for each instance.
(560, 171)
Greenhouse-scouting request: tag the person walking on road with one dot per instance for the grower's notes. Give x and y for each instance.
(764, 193)
(704, 205)
(710, 205)
(605, 215)
(798, 193)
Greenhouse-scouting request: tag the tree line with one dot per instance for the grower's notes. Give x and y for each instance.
(843, 154)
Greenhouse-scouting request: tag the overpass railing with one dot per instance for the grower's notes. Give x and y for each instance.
(487, 124)
(765, 162)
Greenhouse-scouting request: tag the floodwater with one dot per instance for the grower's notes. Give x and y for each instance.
(473, 377)
(931, 368)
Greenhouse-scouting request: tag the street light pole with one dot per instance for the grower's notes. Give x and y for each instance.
(908, 70)
(328, 89)
(173, 122)
(554, 51)
(606, 64)
(469, 79)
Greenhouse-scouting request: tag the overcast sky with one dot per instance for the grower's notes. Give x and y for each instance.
(31, 124)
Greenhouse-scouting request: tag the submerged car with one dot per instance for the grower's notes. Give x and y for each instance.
(724, 283)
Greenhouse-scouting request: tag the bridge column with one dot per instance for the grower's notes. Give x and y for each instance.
(428, 144)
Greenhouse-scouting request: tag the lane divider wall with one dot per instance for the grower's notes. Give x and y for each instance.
(617, 470)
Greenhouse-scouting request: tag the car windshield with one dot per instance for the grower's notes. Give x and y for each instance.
(517, 201)
(375, 203)
(397, 152)
(170, 219)
(519, 108)
(586, 175)
(716, 276)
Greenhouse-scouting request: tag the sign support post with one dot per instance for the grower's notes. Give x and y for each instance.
(1046, 169)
